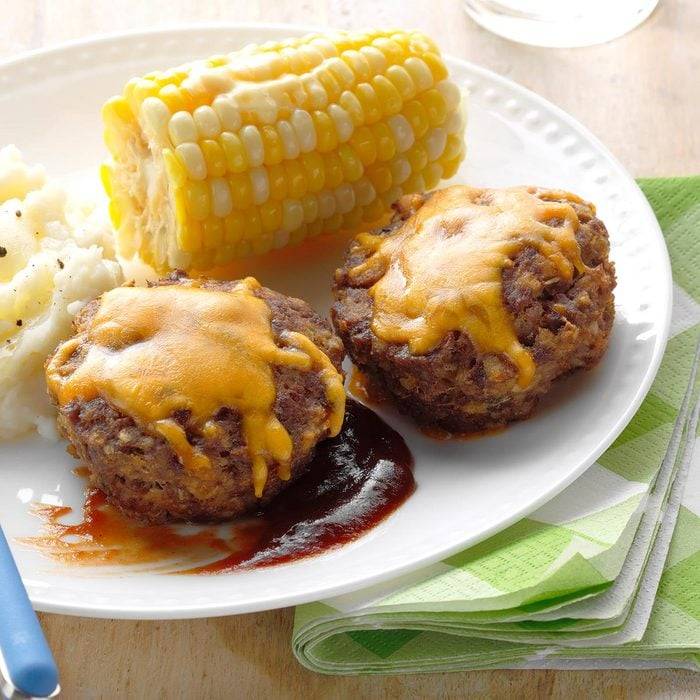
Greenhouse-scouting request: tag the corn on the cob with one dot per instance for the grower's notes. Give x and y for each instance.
(272, 144)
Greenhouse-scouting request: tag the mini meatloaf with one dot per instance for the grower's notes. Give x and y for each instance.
(457, 358)
(159, 468)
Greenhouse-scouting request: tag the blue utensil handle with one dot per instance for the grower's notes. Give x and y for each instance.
(27, 656)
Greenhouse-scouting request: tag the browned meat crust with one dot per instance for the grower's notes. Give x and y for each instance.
(564, 325)
(140, 473)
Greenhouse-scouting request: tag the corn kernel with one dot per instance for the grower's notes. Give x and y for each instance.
(391, 50)
(182, 128)
(314, 170)
(296, 182)
(330, 85)
(402, 132)
(189, 237)
(326, 136)
(364, 191)
(453, 147)
(208, 124)
(375, 58)
(241, 191)
(192, 158)
(262, 244)
(221, 203)
(272, 144)
(435, 143)
(449, 167)
(271, 215)
(341, 121)
(288, 137)
(310, 205)
(451, 93)
(349, 102)
(277, 179)
(174, 169)
(351, 164)
(198, 200)
(315, 228)
(344, 198)
(292, 214)
(304, 127)
(156, 117)
(402, 81)
(341, 72)
(316, 96)
(387, 94)
(260, 185)
(227, 110)
(400, 170)
(415, 183)
(432, 174)
(370, 104)
(435, 106)
(435, 65)
(380, 177)
(234, 152)
(357, 63)
(252, 141)
(326, 204)
(417, 117)
(212, 232)
(279, 240)
(333, 169)
(365, 145)
(384, 138)
(419, 72)
(214, 158)
(418, 157)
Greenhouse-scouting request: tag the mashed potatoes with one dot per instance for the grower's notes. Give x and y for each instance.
(55, 255)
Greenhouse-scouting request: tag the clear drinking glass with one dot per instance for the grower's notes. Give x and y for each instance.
(559, 23)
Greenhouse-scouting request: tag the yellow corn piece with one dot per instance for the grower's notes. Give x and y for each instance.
(266, 146)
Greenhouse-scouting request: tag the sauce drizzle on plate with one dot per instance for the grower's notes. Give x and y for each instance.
(355, 481)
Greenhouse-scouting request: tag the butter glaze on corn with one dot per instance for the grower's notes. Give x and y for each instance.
(264, 147)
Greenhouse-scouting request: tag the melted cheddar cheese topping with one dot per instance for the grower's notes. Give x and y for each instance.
(155, 351)
(441, 271)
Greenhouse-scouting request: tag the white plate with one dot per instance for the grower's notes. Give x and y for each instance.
(50, 105)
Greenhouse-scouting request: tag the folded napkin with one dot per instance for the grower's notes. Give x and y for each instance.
(607, 574)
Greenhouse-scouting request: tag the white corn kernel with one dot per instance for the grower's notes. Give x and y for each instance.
(261, 185)
(342, 121)
(419, 71)
(216, 80)
(310, 204)
(227, 110)
(315, 92)
(341, 72)
(326, 204)
(435, 143)
(290, 143)
(400, 170)
(376, 59)
(358, 64)
(250, 136)
(402, 131)
(182, 128)
(193, 159)
(156, 116)
(454, 123)
(304, 128)
(344, 198)
(220, 197)
(325, 46)
(292, 214)
(364, 191)
(208, 124)
(259, 104)
(450, 92)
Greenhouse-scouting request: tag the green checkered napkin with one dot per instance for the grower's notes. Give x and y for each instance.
(607, 574)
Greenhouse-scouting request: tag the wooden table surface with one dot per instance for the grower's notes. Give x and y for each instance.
(639, 94)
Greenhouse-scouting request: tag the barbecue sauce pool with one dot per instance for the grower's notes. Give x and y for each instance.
(355, 481)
